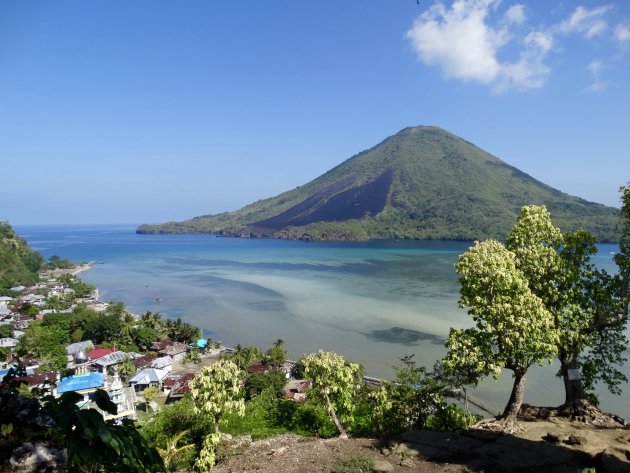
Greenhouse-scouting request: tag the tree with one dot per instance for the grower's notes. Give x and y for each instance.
(258, 382)
(144, 337)
(171, 452)
(102, 328)
(245, 356)
(97, 445)
(215, 391)
(335, 382)
(513, 329)
(276, 354)
(408, 402)
(589, 306)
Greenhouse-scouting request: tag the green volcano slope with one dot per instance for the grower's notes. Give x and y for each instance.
(423, 183)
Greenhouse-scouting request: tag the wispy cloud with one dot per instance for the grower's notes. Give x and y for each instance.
(622, 34)
(589, 23)
(515, 14)
(595, 69)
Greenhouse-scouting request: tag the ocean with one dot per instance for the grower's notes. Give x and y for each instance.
(372, 302)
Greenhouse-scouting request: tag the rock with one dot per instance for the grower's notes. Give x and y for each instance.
(575, 440)
(553, 438)
(386, 452)
(30, 458)
(382, 465)
(407, 463)
(407, 449)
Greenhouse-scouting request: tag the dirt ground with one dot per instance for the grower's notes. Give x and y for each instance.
(553, 444)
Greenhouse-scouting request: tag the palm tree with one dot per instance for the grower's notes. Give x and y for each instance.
(171, 451)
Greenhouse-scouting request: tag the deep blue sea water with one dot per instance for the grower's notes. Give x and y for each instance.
(372, 302)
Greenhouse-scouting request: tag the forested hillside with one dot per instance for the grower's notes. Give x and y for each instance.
(18, 262)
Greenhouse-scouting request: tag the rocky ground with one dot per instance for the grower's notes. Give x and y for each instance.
(546, 443)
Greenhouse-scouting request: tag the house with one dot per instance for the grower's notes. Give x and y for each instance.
(88, 382)
(83, 384)
(258, 368)
(176, 350)
(162, 363)
(39, 380)
(112, 359)
(98, 352)
(8, 342)
(178, 386)
(148, 377)
(201, 345)
(143, 361)
(296, 389)
(74, 348)
(21, 323)
(17, 334)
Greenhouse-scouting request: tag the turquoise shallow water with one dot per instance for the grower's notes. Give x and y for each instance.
(372, 302)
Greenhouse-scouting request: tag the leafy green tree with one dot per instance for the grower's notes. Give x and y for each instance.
(150, 394)
(172, 451)
(408, 402)
(216, 390)
(245, 356)
(173, 419)
(513, 329)
(144, 337)
(180, 331)
(276, 355)
(153, 320)
(46, 343)
(102, 328)
(588, 305)
(258, 382)
(335, 382)
(95, 445)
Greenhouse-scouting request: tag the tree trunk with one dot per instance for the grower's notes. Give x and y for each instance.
(516, 399)
(575, 396)
(333, 415)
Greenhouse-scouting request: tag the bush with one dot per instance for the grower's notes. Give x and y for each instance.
(358, 464)
(450, 417)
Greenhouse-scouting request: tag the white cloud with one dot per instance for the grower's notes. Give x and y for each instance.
(464, 45)
(459, 40)
(515, 14)
(622, 33)
(587, 22)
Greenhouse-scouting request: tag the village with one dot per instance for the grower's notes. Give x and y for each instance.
(141, 379)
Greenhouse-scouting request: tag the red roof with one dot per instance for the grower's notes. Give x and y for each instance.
(97, 352)
(40, 316)
(258, 368)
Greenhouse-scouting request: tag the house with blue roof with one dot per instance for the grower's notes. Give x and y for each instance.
(81, 383)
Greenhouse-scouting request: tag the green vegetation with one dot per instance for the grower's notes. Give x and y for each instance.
(18, 263)
(357, 464)
(336, 383)
(423, 183)
(513, 329)
(215, 391)
(537, 297)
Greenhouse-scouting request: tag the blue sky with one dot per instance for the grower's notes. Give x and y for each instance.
(148, 111)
